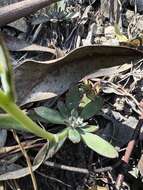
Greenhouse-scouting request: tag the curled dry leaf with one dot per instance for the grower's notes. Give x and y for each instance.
(37, 80)
(140, 165)
(14, 44)
(22, 172)
(46, 152)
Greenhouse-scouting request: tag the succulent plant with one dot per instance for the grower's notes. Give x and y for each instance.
(74, 113)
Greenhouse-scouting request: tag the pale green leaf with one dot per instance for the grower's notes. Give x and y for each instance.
(50, 115)
(74, 135)
(84, 101)
(119, 35)
(99, 145)
(6, 71)
(90, 128)
(92, 108)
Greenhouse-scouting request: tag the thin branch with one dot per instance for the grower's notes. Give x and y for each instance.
(75, 169)
(12, 12)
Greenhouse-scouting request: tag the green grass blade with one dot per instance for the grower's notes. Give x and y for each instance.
(6, 71)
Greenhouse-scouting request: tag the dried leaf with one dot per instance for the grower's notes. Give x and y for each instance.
(47, 151)
(14, 44)
(140, 165)
(43, 80)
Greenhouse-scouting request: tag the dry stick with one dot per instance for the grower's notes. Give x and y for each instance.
(128, 152)
(21, 9)
(27, 160)
(75, 169)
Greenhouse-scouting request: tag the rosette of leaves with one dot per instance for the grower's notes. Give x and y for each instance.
(74, 113)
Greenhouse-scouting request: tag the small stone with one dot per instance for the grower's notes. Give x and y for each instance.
(110, 32)
(111, 42)
(100, 30)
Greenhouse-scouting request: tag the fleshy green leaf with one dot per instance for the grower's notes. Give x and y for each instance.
(49, 114)
(6, 71)
(63, 109)
(99, 145)
(74, 113)
(74, 135)
(7, 122)
(90, 128)
(92, 108)
(73, 98)
(84, 101)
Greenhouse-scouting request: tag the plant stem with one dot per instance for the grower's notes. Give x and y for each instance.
(10, 107)
(62, 134)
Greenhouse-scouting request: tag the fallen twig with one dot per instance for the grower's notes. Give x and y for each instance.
(75, 169)
(27, 160)
(11, 13)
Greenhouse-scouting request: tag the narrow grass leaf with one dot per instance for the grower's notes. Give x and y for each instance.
(6, 71)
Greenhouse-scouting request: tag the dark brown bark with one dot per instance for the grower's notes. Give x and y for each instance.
(18, 10)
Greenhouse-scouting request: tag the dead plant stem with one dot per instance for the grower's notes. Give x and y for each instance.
(27, 160)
